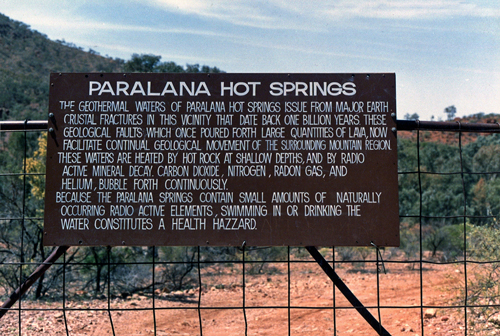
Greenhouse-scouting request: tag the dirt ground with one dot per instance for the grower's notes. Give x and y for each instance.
(266, 305)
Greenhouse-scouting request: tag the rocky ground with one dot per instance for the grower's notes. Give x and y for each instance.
(266, 300)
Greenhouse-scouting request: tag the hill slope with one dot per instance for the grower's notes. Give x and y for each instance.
(26, 60)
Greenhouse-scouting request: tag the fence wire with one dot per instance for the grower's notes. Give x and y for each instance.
(441, 281)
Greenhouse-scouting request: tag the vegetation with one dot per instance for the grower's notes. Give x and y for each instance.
(28, 57)
(454, 185)
(26, 60)
(483, 287)
(152, 63)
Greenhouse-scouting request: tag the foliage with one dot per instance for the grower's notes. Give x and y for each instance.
(450, 112)
(443, 176)
(152, 63)
(483, 290)
(452, 186)
(26, 60)
(21, 230)
(36, 165)
(261, 258)
(413, 116)
(448, 238)
(455, 185)
(410, 243)
(176, 275)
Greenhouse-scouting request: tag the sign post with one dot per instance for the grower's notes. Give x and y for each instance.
(218, 159)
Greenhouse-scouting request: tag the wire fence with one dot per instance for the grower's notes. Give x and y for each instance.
(443, 280)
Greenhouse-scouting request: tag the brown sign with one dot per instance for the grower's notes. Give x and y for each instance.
(222, 159)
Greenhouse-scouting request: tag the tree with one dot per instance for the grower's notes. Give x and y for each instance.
(450, 111)
(142, 63)
(413, 116)
(21, 202)
(152, 63)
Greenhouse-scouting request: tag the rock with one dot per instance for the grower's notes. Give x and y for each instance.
(495, 320)
(406, 328)
(430, 313)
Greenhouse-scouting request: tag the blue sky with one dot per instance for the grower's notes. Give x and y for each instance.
(444, 52)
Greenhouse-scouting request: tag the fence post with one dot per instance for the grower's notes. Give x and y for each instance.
(346, 291)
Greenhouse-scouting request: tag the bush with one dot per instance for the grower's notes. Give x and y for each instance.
(483, 290)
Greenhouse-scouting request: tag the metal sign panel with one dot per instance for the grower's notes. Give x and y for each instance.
(222, 159)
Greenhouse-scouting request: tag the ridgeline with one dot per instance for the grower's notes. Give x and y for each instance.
(27, 57)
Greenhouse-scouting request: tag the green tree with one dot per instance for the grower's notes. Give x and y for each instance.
(142, 63)
(450, 112)
(152, 63)
(413, 116)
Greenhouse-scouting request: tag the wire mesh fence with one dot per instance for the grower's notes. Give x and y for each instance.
(442, 280)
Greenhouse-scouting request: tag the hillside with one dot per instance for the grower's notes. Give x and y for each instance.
(26, 60)
(27, 57)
